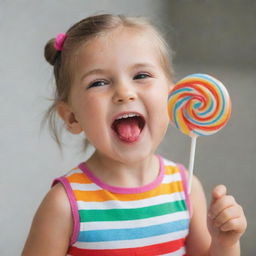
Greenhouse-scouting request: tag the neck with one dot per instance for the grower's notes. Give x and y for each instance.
(124, 174)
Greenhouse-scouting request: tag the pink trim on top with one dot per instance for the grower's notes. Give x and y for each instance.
(185, 186)
(120, 190)
(73, 205)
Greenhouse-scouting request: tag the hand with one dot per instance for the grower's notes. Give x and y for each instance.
(226, 219)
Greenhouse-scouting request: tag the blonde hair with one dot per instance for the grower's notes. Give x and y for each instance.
(77, 35)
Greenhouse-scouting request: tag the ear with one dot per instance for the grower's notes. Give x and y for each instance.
(68, 116)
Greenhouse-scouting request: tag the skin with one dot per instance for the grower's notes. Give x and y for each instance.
(108, 83)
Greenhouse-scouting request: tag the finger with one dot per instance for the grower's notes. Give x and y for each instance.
(226, 215)
(218, 192)
(221, 204)
(232, 225)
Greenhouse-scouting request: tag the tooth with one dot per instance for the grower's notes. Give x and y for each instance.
(126, 116)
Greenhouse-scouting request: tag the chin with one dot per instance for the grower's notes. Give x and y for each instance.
(136, 154)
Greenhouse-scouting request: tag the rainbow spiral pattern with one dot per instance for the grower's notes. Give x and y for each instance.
(199, 105)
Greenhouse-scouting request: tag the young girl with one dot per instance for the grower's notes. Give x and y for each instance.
(113, 76)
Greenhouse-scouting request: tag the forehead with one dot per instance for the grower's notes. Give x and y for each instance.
(120, 46)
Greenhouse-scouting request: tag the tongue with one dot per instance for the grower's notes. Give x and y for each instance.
(128, 129)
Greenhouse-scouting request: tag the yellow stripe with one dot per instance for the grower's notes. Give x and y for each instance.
(183, 126)
(171, 169)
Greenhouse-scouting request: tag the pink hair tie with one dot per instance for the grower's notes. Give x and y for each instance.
(59, 41)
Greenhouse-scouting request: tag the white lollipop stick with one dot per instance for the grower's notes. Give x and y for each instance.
(191, 162)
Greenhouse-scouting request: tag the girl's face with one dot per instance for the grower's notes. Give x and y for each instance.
(119, 95)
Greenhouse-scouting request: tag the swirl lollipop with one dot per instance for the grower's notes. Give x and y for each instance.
(198, 105)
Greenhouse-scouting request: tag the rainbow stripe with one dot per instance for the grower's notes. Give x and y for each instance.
(153, 220)
(199, 105)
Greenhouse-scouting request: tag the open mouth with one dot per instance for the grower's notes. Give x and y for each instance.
(128, 127)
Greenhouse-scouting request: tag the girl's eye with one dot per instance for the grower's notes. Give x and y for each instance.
(98, 83)
(141, 76)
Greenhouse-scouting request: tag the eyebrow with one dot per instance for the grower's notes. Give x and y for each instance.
(103, 71)
(143, 64)
(93, 71)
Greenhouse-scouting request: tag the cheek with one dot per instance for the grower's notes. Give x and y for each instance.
(94, 119)
(87, 112)
(163, 107)
(160, 98)
(158, 106)
(163, 117)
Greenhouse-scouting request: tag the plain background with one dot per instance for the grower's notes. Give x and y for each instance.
(215, 37)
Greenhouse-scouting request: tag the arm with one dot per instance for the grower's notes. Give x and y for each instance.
(199, 239)
(52, 226)
(217, 232)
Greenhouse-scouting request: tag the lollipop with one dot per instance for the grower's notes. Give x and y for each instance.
(198, 105)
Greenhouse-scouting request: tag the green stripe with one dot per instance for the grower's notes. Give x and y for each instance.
(132, 214)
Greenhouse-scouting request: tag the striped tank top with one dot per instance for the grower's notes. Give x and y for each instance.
(113, 221)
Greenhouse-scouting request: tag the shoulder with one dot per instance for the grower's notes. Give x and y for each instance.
(57, 201)
(52, 225)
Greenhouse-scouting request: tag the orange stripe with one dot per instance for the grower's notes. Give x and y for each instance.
(79, 178)
(102, 195)
(82, 178)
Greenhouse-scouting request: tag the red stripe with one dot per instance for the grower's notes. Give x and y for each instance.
(151, 250)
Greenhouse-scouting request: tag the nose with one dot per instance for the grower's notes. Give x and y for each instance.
(124, 93)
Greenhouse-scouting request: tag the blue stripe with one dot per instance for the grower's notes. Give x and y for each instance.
(186, 89)
(198, 133)
(132, 233)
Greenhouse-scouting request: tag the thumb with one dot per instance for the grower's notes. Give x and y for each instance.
(218, 192)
